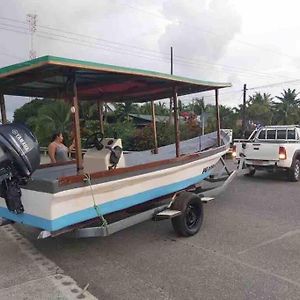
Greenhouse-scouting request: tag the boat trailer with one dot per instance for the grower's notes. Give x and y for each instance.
(184, 209)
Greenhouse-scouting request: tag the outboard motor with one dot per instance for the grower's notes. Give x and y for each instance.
(19, 158)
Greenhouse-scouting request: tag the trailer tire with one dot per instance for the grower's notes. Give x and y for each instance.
(294, 171)
(190, 221)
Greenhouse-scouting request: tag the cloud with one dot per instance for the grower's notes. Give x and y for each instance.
(199, 29)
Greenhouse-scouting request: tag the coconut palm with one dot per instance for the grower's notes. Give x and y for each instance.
(53, 117)
(124, 109)
(197, 106)
(286, 108)
(88, 110)
(258, 109)
(160, 109)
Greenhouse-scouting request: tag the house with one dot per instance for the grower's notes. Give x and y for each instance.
(144, 120)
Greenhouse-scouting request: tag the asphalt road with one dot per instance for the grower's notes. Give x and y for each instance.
(248, 248)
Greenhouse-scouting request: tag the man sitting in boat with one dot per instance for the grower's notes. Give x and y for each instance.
(57, 151)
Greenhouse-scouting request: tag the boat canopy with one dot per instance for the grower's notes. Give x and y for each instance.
(48, 76)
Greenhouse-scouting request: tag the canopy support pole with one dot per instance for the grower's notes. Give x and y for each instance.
(3, 109)
(100, 114)
(154, 127)
(76, 126)
(176, 123)
(218, 118)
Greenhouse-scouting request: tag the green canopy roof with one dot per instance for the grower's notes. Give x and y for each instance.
(47, 76)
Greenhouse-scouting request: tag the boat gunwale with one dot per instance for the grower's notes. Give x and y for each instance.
(57, 164)
(67, 180)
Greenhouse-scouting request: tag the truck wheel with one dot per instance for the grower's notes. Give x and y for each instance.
(190, 221)
(251, 172)
(294, 171)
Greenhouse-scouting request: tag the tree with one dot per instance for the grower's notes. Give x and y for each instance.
(286, 110)
(124, 109)
(160, 109)
(52, 117)
(228, 117)
(88, 110)
(258, 108)
(29, 110)
(197, 106)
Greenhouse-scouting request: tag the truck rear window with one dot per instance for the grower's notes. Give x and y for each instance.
(262, 135)
(271, 134)
(291, 134)
(281, 134)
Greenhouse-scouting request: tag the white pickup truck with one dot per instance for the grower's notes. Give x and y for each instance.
(271, 147)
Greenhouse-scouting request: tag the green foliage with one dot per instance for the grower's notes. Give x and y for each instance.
(286, 109)
(51, 117)
(160, 109)
(259, 108)
(46, 116)
(88, 110)
(28, 110)
(124, 109)
(124, 130)
(197, 106)
(144, 139)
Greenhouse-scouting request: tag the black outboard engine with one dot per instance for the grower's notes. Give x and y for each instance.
(19, 158)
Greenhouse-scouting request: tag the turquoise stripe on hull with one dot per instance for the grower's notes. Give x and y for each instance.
(106, 208)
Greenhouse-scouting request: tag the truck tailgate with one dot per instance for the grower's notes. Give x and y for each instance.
(261, 151)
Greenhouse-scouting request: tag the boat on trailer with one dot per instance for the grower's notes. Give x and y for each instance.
(106, 186)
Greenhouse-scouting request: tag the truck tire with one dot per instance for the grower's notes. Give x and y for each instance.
(294, 171)
(251, 172)
(190, 221)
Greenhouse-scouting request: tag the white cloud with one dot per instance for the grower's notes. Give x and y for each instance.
(254, 42)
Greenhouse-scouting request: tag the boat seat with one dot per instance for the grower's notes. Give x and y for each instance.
(110, 156)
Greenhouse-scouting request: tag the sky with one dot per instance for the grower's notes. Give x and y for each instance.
(243, 42)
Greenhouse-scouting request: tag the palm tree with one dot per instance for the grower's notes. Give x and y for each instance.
(197, 106)
(53, 117)
(160, 109)
(258, 108)
(286, 109)
(88, 110)
(124, 109)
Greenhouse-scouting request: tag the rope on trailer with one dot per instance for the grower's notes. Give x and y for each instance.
(104, 222)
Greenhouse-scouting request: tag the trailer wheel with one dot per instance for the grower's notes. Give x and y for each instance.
(190, 221)
(294, 171)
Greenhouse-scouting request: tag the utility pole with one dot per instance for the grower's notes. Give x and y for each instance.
(32, 21)
(244, 112)
(171, 100)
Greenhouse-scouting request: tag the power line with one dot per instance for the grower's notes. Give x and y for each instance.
(182, 61)
(86, 44)
(229, 67)
(259, 87)
(16, 31)
(179, 59)
(89, 37)
(274, 84)
(210, 32)
(11, 55)
(234, 70)
(144, 55)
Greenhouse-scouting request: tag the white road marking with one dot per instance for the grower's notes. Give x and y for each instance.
(285, 235)
(237, 261)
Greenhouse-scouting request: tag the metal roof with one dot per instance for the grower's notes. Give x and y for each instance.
(279, 126)
(47, 76)
(148, 118)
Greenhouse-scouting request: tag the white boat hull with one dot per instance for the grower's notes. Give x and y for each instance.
(54, 211)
